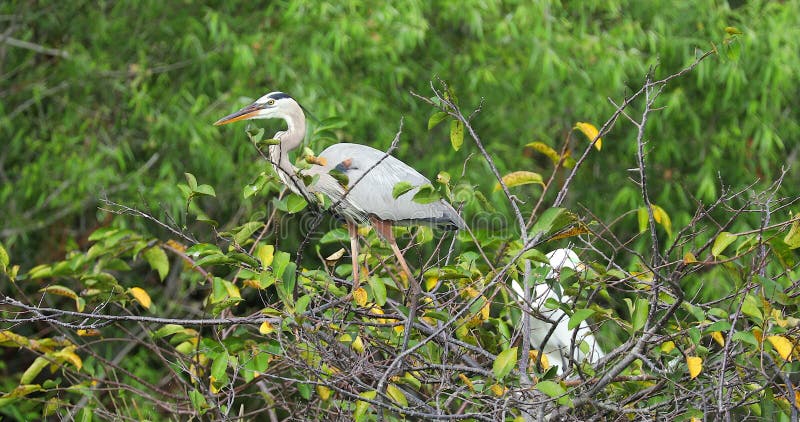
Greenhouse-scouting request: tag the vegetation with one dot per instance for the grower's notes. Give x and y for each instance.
(152, 266)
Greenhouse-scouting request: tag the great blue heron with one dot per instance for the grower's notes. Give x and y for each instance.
(554, 337)
(364, 196)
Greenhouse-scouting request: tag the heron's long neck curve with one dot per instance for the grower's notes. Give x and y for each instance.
(289, 140)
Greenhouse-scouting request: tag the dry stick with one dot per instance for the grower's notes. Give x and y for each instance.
(52, 314)
(725, 350)
(453, 110)
(650, 329)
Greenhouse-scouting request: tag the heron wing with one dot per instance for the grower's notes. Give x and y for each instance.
(371, 175)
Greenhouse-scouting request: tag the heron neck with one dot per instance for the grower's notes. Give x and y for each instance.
(289, 140)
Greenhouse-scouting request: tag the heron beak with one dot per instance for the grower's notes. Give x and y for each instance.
(246, 113)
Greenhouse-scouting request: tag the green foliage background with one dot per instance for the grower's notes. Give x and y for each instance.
(125, 104)
(144, 80)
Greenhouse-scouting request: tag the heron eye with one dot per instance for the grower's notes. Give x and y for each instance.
(271, 102)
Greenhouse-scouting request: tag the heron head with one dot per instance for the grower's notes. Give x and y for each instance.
(275, 105)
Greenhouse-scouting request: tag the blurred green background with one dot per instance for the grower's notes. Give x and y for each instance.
(117, 99)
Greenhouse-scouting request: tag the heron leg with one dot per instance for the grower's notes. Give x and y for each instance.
(384, 228)
(353, 230)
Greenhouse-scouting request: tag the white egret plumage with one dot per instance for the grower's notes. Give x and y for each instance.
(558, 345)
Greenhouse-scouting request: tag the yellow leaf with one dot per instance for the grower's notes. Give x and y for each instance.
(397, 395)
(662, 218)
(667, 346)
(178, 246)
(519, 178)
(779, 319)
(266, 328)
(336, 255)
(534, 355)
(546, 150)
(68, 354)
(252, 283)
(732, 30)
(498, 390)
(467, 382)
(591, 132)
(11, 339)
(360, 296)
(88, 333)
(717, 336)
(758, 335)
(232, 290)
(695, 365)
(141, 296)
(60, 290)
(573, 231)
(358, 345)
(485, 311)
(431, 282)
(689, 258)
(265, 254)
(323, 392)
(782, 345)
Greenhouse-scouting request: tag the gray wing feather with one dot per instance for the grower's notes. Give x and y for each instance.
(372, 194)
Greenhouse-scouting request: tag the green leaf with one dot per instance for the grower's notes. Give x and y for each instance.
(245, 231)
(436, 118)
(4, 259)
(792, 239)
(302, 304)
(191, 181)
(267, 142)
(745, 337)
(426, 194)
(198, 401)
(552, 220)
(751, 306)
(220, 366)
(279, 263)
(168, 330)
(158, 261)
(295, 203)
(722, 241)
(340, 177)
(362, 406)
(378, 290)
(643, 218)
(401, 188)
(36, 367)
(335, 235)
(519, 178)
(579, 316)
(551, 389)
(504, 363)
(304, 390)
(456, 134)
(205, 190)
(639, 311)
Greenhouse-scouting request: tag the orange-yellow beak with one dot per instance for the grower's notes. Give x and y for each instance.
(243, 114)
